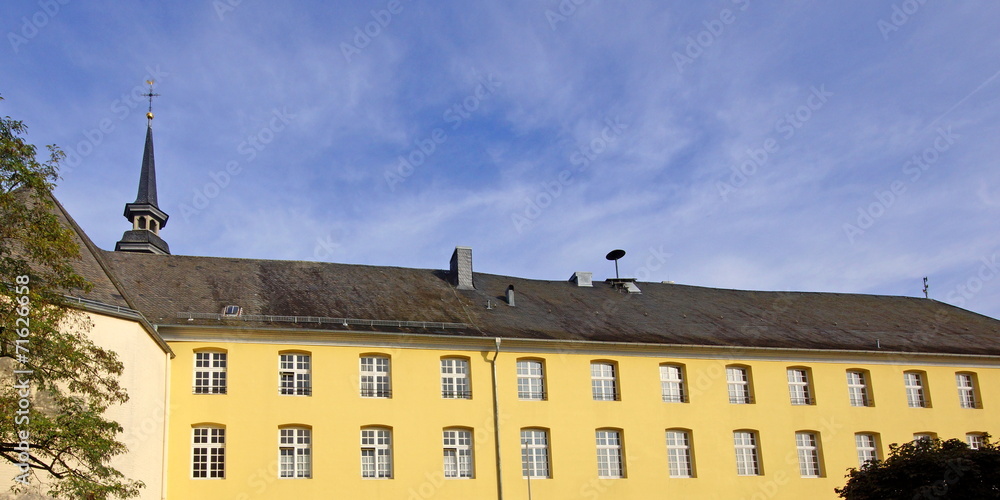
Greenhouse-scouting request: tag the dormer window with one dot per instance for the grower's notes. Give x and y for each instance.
(232, 311)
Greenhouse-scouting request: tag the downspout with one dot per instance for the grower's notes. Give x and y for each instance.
(166, 428)
(496, 422)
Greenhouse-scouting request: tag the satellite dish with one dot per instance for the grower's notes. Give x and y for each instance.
(615, 255)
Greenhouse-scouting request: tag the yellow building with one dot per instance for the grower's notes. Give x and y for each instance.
(289, 379)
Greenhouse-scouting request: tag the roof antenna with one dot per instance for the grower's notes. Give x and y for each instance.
(615, 255)
(926, 287)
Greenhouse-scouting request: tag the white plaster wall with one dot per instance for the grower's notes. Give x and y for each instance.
(142, 417)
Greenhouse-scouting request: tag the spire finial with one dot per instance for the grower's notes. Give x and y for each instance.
(150, 95)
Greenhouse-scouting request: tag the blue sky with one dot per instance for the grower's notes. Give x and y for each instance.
(816, 146)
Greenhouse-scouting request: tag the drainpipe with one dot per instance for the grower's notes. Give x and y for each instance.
(496, 421)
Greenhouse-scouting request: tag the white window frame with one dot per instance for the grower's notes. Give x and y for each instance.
(375, 376)
(604, 381)
(966, 384)
(535, 453)
(917, 436)
(610, 462)
(208, 452)
(455, 378)
(530, 380)
(210, 372)
(975, 440)
(807, 448)
(799, 388)
(376, 453)
(295, 374)
(458, 458)
(672, 383)
(294, 453)
(679, 453)
(857, 388)
(747, 453)
(867, 446)
(916, 391)
(738, 382)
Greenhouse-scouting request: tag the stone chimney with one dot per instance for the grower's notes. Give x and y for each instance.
(461, 268)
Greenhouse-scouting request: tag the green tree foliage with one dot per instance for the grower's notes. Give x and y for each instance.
(72, 380)
(928, 469)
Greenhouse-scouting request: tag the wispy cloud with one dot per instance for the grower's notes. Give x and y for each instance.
(742, 112)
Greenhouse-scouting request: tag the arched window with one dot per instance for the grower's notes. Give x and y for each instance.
(295, 373)
(294, 452)
(210, 371)
(376, 452)
(375, 381)
(208, 451)
(457, 444)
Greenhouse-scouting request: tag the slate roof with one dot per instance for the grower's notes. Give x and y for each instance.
(161, 286)
(89, 265)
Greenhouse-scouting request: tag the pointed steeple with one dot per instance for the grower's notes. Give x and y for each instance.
(144, 214)
(147, 176)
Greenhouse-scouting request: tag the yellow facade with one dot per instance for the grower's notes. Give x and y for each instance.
(252, 411)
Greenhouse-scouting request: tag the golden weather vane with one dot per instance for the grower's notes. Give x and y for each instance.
(150, 95)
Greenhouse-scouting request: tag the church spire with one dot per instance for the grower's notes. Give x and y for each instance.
(144, 214)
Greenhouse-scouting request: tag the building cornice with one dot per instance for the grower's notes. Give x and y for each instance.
(400, 341)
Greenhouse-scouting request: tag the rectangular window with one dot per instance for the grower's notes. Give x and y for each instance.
(672, 384)
(966, 390)
(294, 452)
(976, 440)
(530, 380)
(679, 453)
(739, 385)
(798, 387)
(747, 460)
(867, 449)
(294, 374)
(609, 454)
(808, 451)
(208, 453)
(457, 453)
(209, 372)
(455, 379)
(915, 396)
(376, 453)
(603, 382)
(924, 436)
(375, 382)
(857, 388)
(534, 453)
